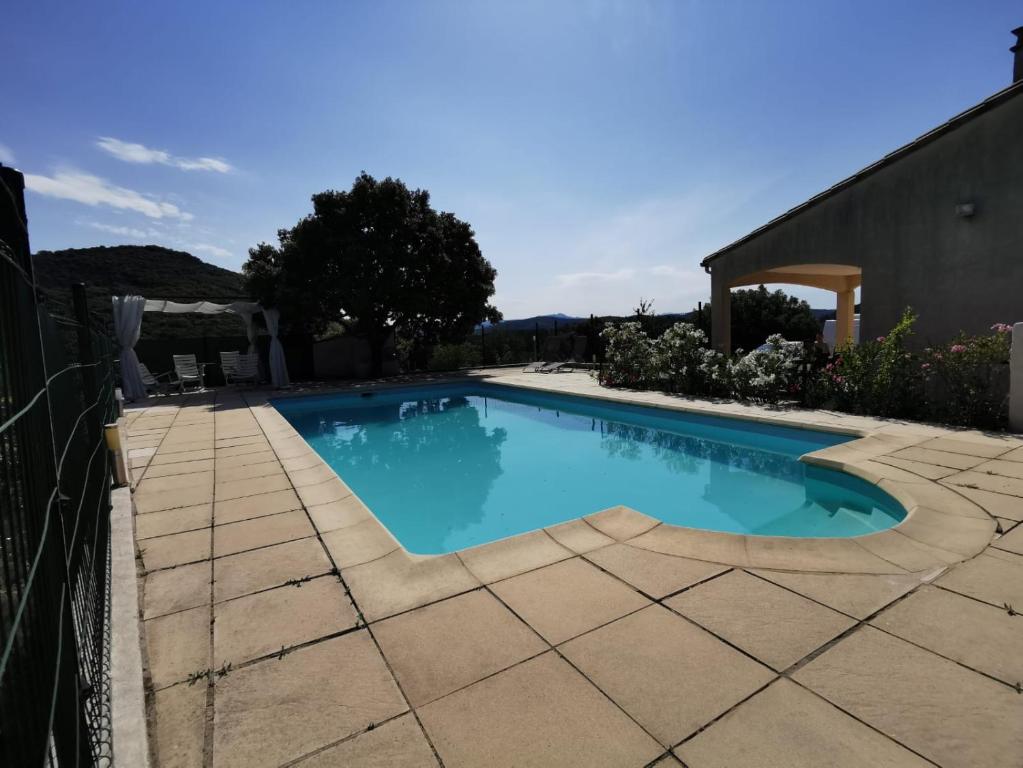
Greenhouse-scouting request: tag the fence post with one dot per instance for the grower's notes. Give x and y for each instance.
(86, 355)
(1016, 379)
(483, 345)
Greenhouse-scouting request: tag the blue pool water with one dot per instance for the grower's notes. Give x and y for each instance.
(452, 466)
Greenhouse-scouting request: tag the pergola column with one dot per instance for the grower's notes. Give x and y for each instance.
(844, 315)
(720, 314)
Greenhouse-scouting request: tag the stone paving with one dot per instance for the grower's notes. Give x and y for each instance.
(285, 626)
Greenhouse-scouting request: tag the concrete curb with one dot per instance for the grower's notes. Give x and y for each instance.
(128, 700)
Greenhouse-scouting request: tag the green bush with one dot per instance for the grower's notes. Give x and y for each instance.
(968, 378)
(963, 382)
(878, 377)
(452, 357)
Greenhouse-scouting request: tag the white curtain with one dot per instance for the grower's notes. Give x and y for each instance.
(250, 330)
(278, 369)
(127, 327)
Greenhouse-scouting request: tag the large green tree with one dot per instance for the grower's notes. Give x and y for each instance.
(378, 259)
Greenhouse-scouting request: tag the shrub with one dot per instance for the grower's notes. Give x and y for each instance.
(679, 356)
(628, 359)
(717, 373)
(451, 357)
(963, 382)
(967, 378)
(878, 377)
(766, 375)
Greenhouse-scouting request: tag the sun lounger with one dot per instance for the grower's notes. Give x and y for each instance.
(247, 369)
(188, 370)
(153, 383)
(229, 364)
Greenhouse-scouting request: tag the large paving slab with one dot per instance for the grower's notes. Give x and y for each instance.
(267, 622)
(976, 635)
(448, 645)
(935, 707)
(176, 589)
(173, 521)
(398, 743)
(399, 582)
(855, 594)
(179, 725)
(178, 646)
(652, 573)
(259, 569)
(786, 726)
(671, 676)
(538, 713)
(231, 538)
(248, 507)
(990, 578)
(776, 626)
(175, 549)
(281, 709)
(568, 598)
(510, 557)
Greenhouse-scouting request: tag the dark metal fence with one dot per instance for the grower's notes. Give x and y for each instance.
(56, 394)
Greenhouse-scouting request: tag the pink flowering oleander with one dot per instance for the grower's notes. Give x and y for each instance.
(957, 348)
(880, 339)
(1001, 328)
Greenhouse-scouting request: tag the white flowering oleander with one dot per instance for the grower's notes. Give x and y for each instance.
(679, 358)
(765, 374)
(628, 358)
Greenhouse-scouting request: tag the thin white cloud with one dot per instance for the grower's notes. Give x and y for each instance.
(132, 232)
(213, 250)
(584, 278)
(94, 191)
(203, 164)
(6, 155)
(130, 152)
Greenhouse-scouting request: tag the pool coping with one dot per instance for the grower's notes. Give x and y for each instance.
(941, 526)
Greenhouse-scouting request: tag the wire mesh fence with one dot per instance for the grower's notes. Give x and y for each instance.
(56, 395)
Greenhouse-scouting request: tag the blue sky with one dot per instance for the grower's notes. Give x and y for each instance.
(599, 149)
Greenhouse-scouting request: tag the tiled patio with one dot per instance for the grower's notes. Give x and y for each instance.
(284, 625)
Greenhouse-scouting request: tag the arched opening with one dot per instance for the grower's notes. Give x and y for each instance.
(841, 279)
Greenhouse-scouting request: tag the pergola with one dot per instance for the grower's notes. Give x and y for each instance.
(128, 311)
(843, 279)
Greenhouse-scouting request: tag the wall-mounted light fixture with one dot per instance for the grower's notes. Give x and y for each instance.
(965, 210)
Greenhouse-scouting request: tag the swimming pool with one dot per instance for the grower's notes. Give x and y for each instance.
(450, 466)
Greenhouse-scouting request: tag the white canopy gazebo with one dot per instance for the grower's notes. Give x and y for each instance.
(128, 327)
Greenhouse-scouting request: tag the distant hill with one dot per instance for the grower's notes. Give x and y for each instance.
(146, 270)
(566, 322)
(546, 323)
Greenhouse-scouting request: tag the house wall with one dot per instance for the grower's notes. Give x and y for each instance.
(899, 225)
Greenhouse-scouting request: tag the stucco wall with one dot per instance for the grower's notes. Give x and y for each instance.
(899, 225)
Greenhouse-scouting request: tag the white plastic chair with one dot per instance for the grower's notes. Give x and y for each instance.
(247, 368)
(188, 370)
(151, 382)
(229, 364)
